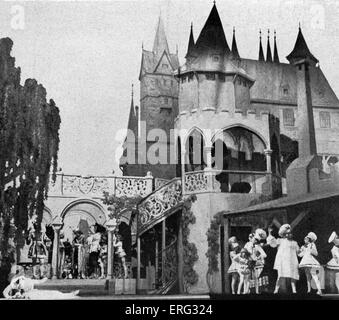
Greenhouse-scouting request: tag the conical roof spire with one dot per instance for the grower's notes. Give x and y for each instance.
(234, 51)
(261, 51)
(212, 35)
(275, 54)
(160, 41)
(132, 120)
(268, 52)
(301, 51)
(191, 44)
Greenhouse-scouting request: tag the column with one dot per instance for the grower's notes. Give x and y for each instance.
(208, 168)
(183, 154)
(111, 226)
(56, 224)
(180, 251)
(208, 152)
(163, 252)
(226, 255)
(268, 154)
(138, 284)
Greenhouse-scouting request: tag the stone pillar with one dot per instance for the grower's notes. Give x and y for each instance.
(138, 284)
(183, 154)
(180, 251)
(268, 154)
(111, 225)
(208, 152)
(226, 255)
(56, 224)
(163, 252)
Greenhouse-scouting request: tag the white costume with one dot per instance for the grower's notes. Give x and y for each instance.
(286, 260)
(307, 253)
(334, 262)
(25, 286)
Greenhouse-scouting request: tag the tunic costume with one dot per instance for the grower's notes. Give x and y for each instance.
(286, 260)
(307, 253)
(242, 267)
(334, 262)
(234, 265)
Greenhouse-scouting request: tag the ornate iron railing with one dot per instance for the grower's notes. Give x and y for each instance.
(159, 204)
(167, 274)
(224, 181)
(75, 185)
(159, 182)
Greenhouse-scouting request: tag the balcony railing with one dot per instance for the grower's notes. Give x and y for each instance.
(228, 181)
(75, 185)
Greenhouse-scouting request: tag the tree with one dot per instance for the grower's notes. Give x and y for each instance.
(29, 143)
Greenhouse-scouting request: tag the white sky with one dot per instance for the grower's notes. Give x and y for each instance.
(87, 54)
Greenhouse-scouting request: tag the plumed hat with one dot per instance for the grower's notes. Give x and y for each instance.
(332, 237)
(312, 236)
(285, 228)
(260, 234)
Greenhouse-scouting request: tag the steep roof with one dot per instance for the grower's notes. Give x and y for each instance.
(261, 51)
(212, 35)
(160, 41)
(234, 51)
(133, 117)
(300, 50)
(272, 78)
(149, 61)
(275, 55)
(191, 44)
(268, 51)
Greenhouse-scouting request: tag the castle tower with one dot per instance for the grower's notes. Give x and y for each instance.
(298, 172)
(158, 103)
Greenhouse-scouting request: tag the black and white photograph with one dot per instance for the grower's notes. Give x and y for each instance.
(169, 150)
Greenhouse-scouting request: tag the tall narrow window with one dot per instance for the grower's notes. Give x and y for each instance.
(325, 119)
(288, 117)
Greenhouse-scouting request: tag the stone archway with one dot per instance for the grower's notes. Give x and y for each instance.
(79, 211)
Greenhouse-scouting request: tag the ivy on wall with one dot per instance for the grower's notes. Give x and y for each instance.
(190, 252)
(213, 237)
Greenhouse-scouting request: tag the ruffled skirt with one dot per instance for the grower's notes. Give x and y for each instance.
(332, 264)
(308, 261)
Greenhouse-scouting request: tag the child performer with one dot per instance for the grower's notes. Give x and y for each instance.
(243, 259)
(233, 269)
(258, 256)
(286, 260)
(308, 251)
(333, 264)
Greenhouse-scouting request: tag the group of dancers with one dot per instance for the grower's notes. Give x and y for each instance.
(248, 263)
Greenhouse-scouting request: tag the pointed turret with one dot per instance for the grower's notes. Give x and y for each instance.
(268, 52)
(301, 52)
(212, 35)
(191, 44)
(261, 51)
(275, 55)
(234, 51)
(133, 116)
(160, 41)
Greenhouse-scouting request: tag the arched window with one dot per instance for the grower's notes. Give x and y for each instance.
(194, 152)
